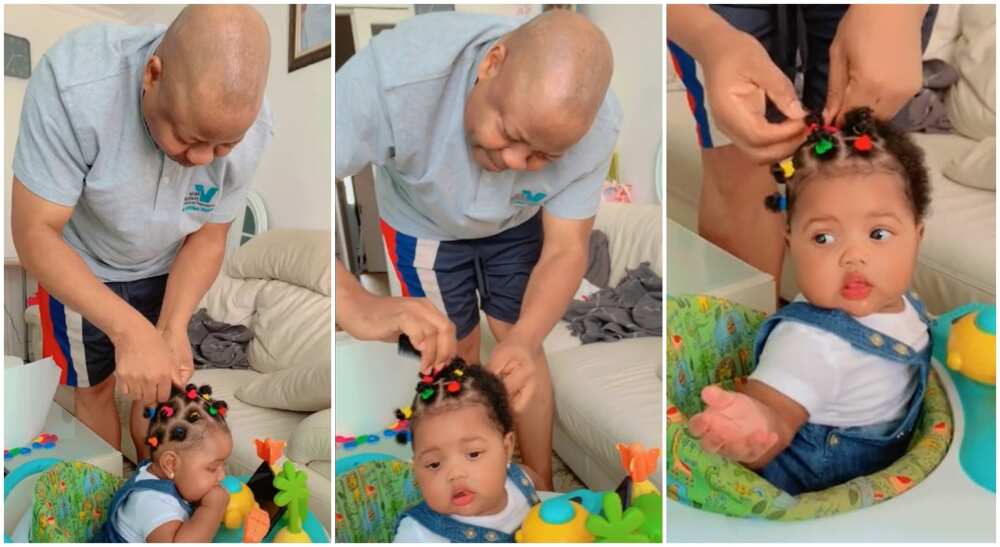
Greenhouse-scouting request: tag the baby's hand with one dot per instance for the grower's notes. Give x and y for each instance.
(216, 497)
(733, 425)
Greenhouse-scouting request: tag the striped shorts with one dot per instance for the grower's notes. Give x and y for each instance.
(461, 277)
(83, 352)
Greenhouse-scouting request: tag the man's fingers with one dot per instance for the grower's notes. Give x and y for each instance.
(780, 90)
(762, 134)
(836, 86)
(162, 391)
(446, 343)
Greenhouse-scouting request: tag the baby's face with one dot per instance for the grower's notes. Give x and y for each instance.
(204, 466)
(854, 242)
(460, 462)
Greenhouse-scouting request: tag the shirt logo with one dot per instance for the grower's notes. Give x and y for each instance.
(200, 199)
(528, 198)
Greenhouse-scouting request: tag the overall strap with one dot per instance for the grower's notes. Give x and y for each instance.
(844, 326)
(453, 530)
(516, 475)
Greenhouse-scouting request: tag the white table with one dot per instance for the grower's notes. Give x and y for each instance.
(945, 507)
(372, 381)
(76, 443)
(696, 266)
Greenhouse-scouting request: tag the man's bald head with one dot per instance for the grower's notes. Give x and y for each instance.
(218, 55)
(560, 62)
(538, 91)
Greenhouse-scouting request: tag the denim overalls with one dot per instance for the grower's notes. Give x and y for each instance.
(109, 533)
(821, 456)
(459, 532)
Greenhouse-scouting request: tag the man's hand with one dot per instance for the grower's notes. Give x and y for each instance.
(875, 60)
(515, 363)
(734, 425)
(144, 364)
(739, 76)
(180, 346)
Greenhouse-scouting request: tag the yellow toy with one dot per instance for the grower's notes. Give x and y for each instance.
(557, 520)
(972, 348)
(240, 505)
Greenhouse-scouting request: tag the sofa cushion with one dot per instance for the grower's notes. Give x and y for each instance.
(303, 388)
(977, 168)
(609, 393)
(971, 102)
(299, 257)
(310, 441)
(635, 234)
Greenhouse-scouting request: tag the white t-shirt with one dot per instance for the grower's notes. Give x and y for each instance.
(147, 510)
(837, 384)
(508, 520)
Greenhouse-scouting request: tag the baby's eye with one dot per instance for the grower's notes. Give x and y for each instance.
(474, 455)
(880, 234)
(823, 239)
(433, 466)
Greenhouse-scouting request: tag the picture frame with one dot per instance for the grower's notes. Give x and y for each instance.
(309, 34)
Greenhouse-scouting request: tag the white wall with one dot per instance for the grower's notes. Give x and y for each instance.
(293, 176)
(638, 44)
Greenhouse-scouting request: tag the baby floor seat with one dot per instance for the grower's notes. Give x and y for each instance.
(372, 490)
(710, 341)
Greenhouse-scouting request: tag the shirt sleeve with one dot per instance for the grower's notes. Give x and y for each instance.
(362, 131)
(147, 510)
(581, 198)
(796, 360)
(411, 531)
(48, 158)
(238, 172)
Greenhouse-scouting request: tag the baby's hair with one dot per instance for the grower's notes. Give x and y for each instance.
(455, 386)
(185, 417)
(863, 145)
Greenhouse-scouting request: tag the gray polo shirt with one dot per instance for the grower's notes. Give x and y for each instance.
(83, 143)
(400, 104)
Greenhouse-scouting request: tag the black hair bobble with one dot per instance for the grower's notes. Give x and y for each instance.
(178, 433)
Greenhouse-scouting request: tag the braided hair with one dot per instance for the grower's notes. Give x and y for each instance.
(454, 386)
(863, 145)
(185, 417)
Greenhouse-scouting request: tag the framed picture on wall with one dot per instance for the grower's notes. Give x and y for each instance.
(308, 34)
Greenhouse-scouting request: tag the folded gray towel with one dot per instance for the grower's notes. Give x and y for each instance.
(632, 309)
(216, 344)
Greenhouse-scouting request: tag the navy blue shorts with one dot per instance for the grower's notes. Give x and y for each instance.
(82, 351)
(789, 33)
(463, 276)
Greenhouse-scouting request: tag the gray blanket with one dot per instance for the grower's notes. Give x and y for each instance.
(216, 344)
(632, 309)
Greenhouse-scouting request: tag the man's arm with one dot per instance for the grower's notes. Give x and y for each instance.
(36, 227)
(554, 279)
(194, 270)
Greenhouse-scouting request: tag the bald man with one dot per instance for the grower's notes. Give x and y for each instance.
(491, 137)
(136, 149)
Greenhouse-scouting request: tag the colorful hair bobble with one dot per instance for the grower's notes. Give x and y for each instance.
(153, 441)
(863, 143)
(192, 393)
(783, 171)
(167, 411)
(427, 392)
(193, 416)
(221, 407)
(458, 372)
(149, 412)
(453, 386)
(178, 433)
(823, 145)
(404, 413)
(776, 202)
(426, 379)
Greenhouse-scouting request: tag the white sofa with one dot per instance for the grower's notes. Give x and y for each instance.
(957, 262)
(278, 284)
(607, 393)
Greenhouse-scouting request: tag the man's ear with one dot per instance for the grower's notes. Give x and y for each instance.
(169, 462)
(491, 63)
(152, 73)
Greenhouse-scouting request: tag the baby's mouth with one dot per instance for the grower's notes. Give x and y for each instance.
(462, 497)
(855, 287)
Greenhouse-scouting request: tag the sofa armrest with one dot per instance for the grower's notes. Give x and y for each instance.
(635, 234)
